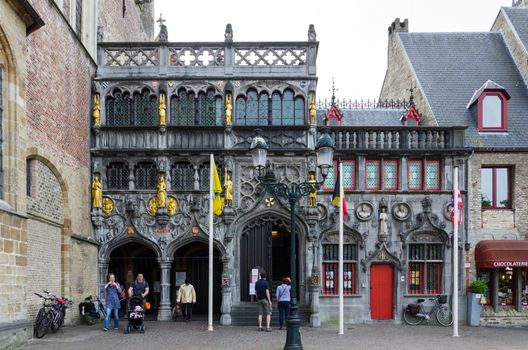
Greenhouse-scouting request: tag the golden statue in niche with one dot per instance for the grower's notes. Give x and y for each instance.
(228, 109)
(108, 206)
(162, 192)
(228, 190)
(313, 110)
(162, 110)
(97, 193)
(312, 199)
(96, 111)
(172, 207)
(153, 206)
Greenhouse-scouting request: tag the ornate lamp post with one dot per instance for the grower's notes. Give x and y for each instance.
(292, 193)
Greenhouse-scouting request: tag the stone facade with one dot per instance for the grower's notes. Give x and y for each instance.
(134, 23)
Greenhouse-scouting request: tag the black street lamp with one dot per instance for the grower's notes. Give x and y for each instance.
(292, 193)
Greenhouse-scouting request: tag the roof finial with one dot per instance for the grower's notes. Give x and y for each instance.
(163, 34)
(333, 92)
(228, 34)
(411, 97)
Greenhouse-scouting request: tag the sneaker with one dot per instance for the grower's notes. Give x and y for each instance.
(115, 328)
(268, 329)
(105, 329)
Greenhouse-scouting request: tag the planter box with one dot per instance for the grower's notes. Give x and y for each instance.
(474, 308)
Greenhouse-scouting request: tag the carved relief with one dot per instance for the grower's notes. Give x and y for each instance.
(364, 211)
(401, 211)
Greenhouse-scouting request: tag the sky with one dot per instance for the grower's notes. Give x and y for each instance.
(352, 34)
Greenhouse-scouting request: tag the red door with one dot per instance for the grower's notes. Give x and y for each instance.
(381, 291)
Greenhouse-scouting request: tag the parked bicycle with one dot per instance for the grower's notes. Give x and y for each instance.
(59, 310)
(415, 313)
(89, 312)
(44, 317)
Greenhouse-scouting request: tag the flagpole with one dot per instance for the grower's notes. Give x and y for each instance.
(340, 267)
(456, 214)
(211, 234)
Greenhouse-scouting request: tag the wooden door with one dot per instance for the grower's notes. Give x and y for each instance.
(381, 292)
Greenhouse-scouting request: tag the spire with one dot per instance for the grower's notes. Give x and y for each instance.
(163, 33)
(411, 97)
(333, 92)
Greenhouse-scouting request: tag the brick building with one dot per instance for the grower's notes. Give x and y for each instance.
(45, 84)
(479, 80)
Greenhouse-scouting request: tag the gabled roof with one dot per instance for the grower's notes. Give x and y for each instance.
(451, 66)
(488, 85)
(518, 17)
(365, 117)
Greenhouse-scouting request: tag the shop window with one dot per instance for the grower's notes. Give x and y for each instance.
(182, 176)
(331, 269)
(485, 275)
(506, 286)
(146, 176)
(524, 286)
(117, 176)
(496, 188)
(349, 176)
(425, 268)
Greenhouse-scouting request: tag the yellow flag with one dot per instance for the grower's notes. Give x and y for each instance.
(218, 203)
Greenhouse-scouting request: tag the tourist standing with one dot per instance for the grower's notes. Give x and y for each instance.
(112, 291)
(187, 297)
(139, 287)
(263, 290)
(283, 300)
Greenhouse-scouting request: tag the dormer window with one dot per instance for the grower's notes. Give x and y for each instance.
(491, 101)
(411, 117)
(492, 111)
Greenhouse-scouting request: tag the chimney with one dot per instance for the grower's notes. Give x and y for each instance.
(399, 27)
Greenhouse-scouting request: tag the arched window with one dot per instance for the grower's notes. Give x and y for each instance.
(207, 108)
(288, 112)
(145, 109)
(263, 109)
(204, 176)
(182, 176)
(117, 174)
(252, 108)
(146, 176)
(219, 110)
(276, 109)
(426, 264)
(299, 111)
(240, 112)
(182, 108)
(118, 111)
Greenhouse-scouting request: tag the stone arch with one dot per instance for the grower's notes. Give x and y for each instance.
(106, 250)
(352, 235)
(174, 245)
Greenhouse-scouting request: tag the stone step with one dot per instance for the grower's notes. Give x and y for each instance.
(245, 314)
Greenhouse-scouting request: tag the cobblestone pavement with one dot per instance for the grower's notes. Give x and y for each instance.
(169, 335)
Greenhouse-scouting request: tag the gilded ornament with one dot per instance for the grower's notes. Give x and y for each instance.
(96, 111)
(313, 111)
(108, 206)
(312, 200)
(162, 110)
(97, 193)
(228, 190)
(228, 109)
(153, 206)
(172, 207)
(162, 193)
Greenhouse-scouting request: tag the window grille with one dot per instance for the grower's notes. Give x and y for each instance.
(415, 174)
(183, 108)
(146, 176)
(117, 175)
(118, 109)
(207, 108)
(425, 268)
(390, 174)
(145, 109)
(204, 176)
(373, 174)
(432, 175)
(182, 176)
(331, 268)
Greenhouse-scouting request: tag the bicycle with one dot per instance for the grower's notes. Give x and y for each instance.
(59, 310)
(44, 317)
(89, 312)
(415, 314)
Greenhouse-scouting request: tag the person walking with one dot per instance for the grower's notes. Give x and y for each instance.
(139, 287)
(186, 298)
(112, 291)
(263, 290)
(283, 300)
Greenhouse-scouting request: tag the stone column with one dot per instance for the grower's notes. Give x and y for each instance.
(103, 271)
(164, 312)
(315, 287)
(225, 309)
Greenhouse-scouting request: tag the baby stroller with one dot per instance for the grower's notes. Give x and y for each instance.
(136, 315)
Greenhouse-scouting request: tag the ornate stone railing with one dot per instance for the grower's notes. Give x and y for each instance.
(400, 138)
(207, 59)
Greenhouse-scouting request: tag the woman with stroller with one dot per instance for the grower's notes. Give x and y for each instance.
(112, 291)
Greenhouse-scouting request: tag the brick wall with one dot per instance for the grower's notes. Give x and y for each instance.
(137, 24)
(46, 196)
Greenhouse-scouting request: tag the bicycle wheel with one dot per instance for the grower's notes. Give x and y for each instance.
(41, 324)
(411, 319)
(444, 316)
(56, 320)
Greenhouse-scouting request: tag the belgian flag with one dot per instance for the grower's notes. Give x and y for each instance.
(336, 197)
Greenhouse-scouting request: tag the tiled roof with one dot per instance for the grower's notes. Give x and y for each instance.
(366, 117)
(450, 67)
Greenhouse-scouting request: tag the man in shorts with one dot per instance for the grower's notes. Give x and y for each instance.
(263, 290)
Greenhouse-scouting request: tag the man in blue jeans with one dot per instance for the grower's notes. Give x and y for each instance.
(283, 300)
(263, 290)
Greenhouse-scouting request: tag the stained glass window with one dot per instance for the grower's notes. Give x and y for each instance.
(373, 174)
(146, 176)
(182, 175)
(331, 269)
(432, 175)
(219, 110)
(390, 174)
(276, 109)
(263, 108)
(349, 174)
(207, 108)
(118, 111)
(240, 111)
(288, 110)
(252, 108)
(299, 111)
(145, 109)
(415, 174)
(117, 176)
(425, 268)
(183, 108)
(330, 180)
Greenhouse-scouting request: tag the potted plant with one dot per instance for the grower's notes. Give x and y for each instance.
(477, 288)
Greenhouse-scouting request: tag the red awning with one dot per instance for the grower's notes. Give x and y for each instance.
(496, 254)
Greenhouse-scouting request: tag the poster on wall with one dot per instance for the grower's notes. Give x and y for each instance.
(254, 275)
(252, 289)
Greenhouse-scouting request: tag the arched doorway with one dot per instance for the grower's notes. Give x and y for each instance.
(265, 244)
(192, 262)
(129, 259)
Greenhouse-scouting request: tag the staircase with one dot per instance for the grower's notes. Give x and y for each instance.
(245, 314)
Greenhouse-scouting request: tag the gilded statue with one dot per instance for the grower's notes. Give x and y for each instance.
(162, 192)
(162, 110)
(96, 111)
(228, 190)
(108, 206)
(172, 207)
(153, 206)
(313, 111)
(228, 109)
(312, 200)
(97, 193)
